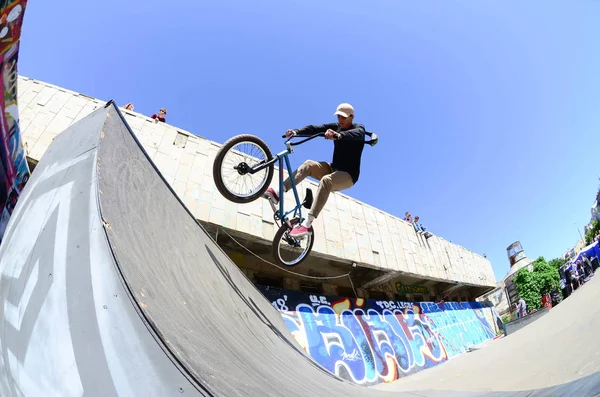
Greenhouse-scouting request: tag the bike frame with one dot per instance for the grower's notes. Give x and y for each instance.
(283, 159)
(297, 210)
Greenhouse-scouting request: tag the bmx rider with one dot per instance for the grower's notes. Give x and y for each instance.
(343, 171)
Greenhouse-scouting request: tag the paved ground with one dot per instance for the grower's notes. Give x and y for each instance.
(562, 346)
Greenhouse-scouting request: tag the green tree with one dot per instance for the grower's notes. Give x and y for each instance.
(507, 318)
(591, 233)
(547, 275)
(543, 279)
(557, 263)
(528, 288)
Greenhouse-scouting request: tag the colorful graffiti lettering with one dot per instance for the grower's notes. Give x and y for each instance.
(369, 342)
(14, 171)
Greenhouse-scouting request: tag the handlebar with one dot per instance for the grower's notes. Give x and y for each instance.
(304, 140)
(373, 141)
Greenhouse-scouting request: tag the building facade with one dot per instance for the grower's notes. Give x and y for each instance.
(380, 256)
(518, 260)
(498, 298)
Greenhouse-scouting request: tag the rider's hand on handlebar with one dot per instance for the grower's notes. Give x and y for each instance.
(331, 134)
(290, 133)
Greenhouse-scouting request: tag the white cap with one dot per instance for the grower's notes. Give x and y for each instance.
(344, 110)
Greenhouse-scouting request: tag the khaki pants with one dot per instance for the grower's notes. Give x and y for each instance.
(330, 181)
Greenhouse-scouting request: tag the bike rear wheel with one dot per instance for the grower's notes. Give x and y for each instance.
(232, 164)
(289, 251)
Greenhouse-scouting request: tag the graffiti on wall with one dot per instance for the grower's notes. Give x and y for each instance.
(14, 171)
(369, 341)
(411, 289)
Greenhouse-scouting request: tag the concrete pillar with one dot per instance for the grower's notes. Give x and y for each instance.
(292, 284)
(329, 289)
(249, 273)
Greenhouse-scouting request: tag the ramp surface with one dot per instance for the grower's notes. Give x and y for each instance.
(561, 346)
(122, 292)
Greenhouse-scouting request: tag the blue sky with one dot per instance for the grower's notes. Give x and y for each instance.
(488, 112)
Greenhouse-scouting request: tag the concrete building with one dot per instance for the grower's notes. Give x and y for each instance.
(505, 295)
(518, 260)
(380, 257)
(595, 210)
(571, 253)
(498, 298)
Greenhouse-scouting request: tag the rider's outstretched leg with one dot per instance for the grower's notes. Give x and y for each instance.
(315, 169)
(311, 168)
(336, 181)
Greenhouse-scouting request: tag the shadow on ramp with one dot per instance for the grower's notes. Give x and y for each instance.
(111, 287)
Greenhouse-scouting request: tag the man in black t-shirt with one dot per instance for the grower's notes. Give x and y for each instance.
(344, 169)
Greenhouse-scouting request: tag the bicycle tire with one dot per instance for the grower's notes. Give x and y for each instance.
(217, 164)
(284, 227)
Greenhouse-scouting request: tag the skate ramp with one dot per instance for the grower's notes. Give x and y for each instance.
(110, 287)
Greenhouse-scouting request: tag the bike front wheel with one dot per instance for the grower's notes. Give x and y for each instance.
(232, 166)
(291, 251)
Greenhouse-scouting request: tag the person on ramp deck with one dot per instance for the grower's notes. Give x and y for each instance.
(343, 171)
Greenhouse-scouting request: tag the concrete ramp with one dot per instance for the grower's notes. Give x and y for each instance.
(110, 287)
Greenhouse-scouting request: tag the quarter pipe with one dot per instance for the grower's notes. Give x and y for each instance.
(110, 287)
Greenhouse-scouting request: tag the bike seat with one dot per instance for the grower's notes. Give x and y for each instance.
(308, 199)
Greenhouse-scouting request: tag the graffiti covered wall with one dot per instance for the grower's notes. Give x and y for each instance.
(369, 342)
(14, 171)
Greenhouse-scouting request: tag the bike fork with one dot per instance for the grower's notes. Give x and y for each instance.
(279, 213)
(277, 216)
(275, 213)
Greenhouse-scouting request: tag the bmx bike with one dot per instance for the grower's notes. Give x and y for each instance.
(246, 160)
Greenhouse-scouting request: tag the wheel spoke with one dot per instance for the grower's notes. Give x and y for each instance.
(245, 185)
(288, 254)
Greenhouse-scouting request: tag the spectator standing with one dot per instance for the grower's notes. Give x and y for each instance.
(161, 116)
(521, 308)
(574, 276)
(588, 265)
(568, 280)
(581, 271)
(563, 287)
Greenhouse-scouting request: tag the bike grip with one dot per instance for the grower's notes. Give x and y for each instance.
(283, 136)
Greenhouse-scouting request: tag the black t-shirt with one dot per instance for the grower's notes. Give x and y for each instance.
(347, 150)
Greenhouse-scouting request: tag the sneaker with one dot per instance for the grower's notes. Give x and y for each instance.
(271, 195)
(300, 231)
